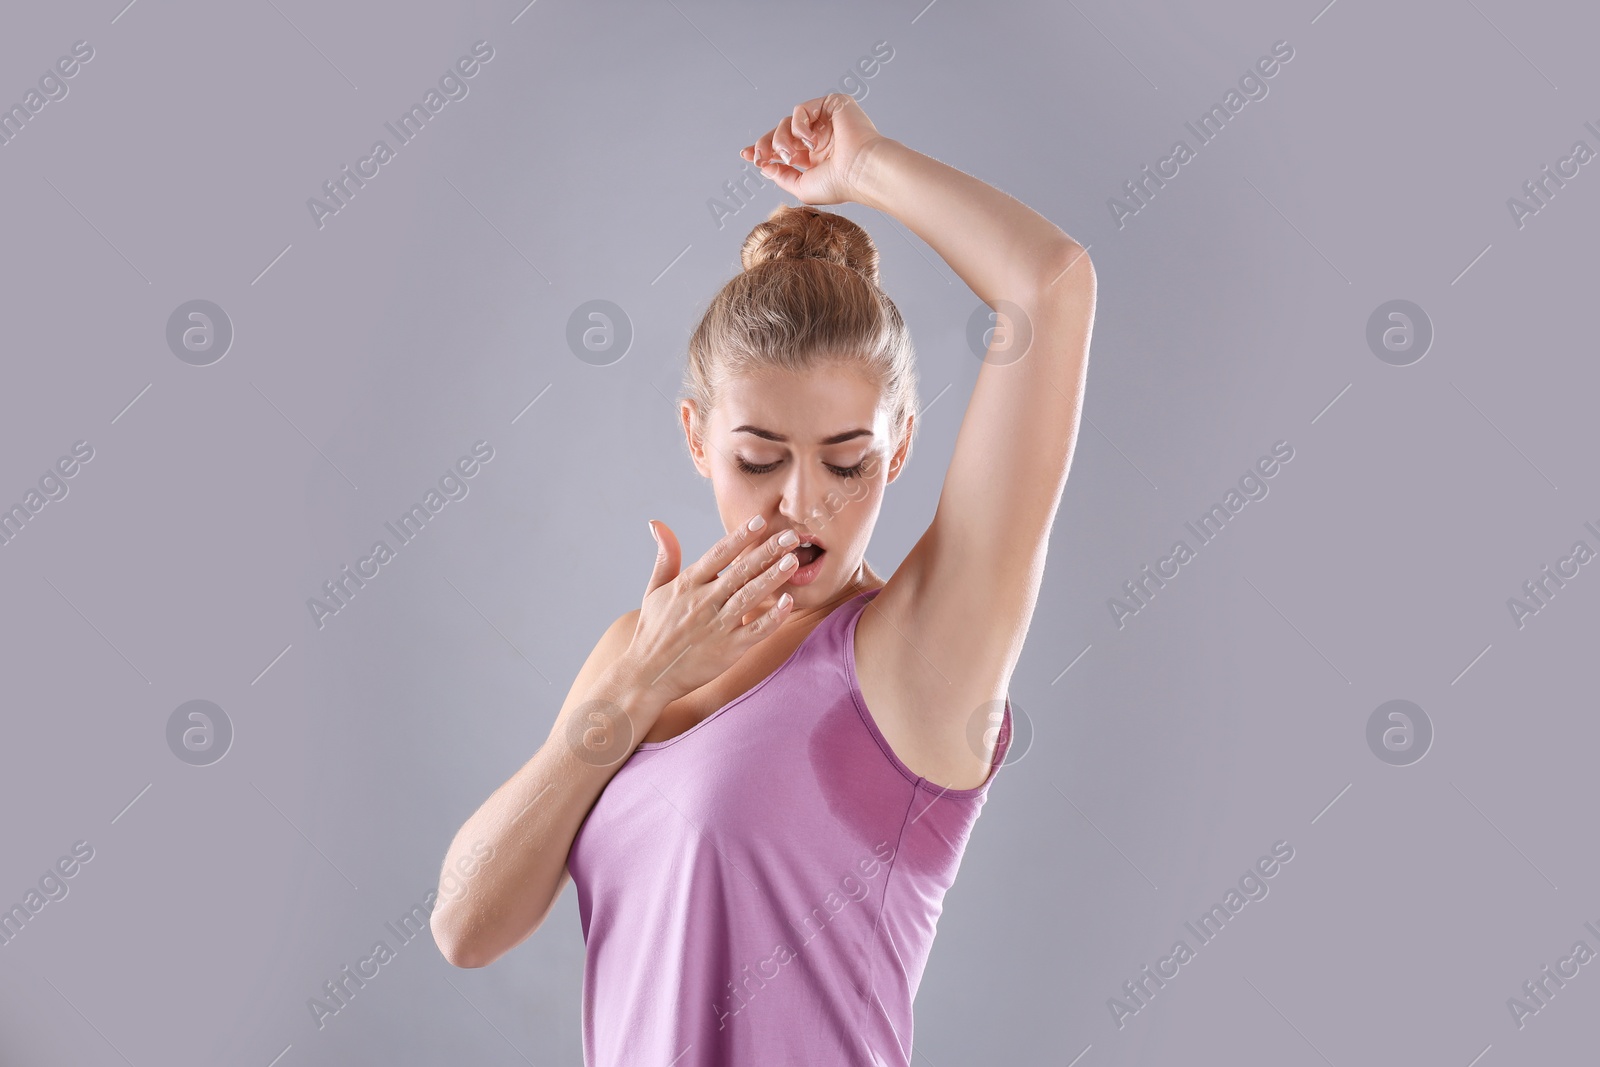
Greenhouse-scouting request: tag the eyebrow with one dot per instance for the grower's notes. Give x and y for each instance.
(838, 438)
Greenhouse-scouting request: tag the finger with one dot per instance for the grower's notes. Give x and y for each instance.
(786, 176)
(812, 126)
(764, 148)
(834, 103)
(831, 105)
(785, 143)
(745, 599)
(668, 555)
(800, 122)
(809, 118)
(719, 555)
(748, 563)
(767, 622)
(751, 564)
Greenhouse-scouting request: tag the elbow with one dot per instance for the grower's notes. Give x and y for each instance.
(458, 949)
(1070, 266)
(458, 956)
(474, 930)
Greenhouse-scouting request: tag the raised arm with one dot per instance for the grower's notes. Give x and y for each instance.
(962, 600)
(982, 558)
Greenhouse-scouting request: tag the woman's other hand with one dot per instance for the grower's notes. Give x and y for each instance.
(691, 625)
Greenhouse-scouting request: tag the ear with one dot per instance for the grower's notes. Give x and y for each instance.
(688, 412)
(897, 462)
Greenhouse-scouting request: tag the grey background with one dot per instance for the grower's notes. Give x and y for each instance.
(371, 353)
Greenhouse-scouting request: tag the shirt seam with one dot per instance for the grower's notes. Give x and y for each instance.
(874, 951)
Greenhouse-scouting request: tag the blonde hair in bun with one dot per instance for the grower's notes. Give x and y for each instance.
(808, 296)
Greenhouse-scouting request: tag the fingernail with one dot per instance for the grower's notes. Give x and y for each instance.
(788, 537)
(653, 533)
(755, 523)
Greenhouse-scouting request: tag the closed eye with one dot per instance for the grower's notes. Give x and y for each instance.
(768, 468)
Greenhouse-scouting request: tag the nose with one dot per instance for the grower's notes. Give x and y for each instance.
(800, 501)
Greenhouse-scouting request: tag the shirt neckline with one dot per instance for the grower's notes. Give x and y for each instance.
(649, 746)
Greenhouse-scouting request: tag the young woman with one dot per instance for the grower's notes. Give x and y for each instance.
(763, 779)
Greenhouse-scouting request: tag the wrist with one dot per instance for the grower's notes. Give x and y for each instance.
(617, 710)
(871, 176)
(639, 697)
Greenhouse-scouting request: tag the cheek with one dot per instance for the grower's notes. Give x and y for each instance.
(854, 506)
(737, 497)
(839, 503)
(732, 484)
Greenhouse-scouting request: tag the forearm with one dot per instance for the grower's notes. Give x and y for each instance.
(506, 864)
(998, 245)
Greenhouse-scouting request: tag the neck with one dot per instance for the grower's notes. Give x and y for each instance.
(861, 580)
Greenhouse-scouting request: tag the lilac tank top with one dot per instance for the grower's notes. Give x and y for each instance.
(764, 887)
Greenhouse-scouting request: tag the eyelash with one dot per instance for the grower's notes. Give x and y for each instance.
(843, 472)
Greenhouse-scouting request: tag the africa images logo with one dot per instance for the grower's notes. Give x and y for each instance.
(453, 485)
(1252, 886)
(1253, 486)
(452, 86)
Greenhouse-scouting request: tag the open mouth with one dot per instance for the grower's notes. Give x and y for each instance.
(806, 554)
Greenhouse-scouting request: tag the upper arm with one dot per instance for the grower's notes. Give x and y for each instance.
(607, 651)
(972, 580)
(611, 645)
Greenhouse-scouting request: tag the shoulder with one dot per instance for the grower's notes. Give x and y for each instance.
(624, 625)
(608, 648)
(615, 640)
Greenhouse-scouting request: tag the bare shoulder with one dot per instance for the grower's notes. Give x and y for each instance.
(607, 650)
(621, 631)
(933, 662)
(614, 642)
